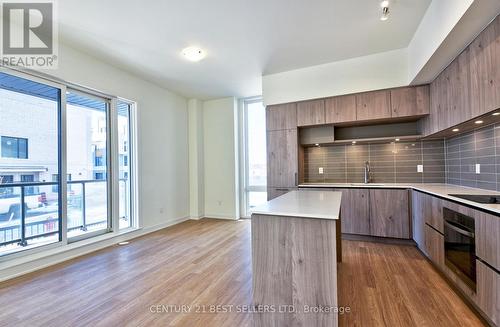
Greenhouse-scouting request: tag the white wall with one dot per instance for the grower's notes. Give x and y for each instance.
(377, 71)
(196, 160)
(220, 127)
(163, 149)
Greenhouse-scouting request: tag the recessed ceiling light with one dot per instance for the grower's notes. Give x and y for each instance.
(193, 53)
(353, 142)
(496, 113)
(316, 144)
(397, 140)
(384, 3)
(478, 122)
(455, 130)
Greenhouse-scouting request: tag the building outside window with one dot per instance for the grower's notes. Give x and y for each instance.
(14, 147)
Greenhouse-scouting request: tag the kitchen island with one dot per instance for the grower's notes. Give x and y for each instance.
(295, 248)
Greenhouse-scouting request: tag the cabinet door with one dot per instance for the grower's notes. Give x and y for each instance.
(373, 105)
(410, 101)
(281, 116)
(418, 220)
(274, 192)
(484, 68)
(340, 109)
(488, 238)
(488, 291)
(311, 113)
(355, 211)
(389, 213)
(282, 158)
(434, 246)
(434, 212)
(431, 122)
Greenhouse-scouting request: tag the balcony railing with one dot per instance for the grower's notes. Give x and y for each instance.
(38, 217)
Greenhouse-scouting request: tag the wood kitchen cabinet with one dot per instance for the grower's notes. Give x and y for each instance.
(356, 211)
(282, 158)
(484, 69)
(389, 213)
(433, 212)
(418, 200)
(488, 291)
(340, 109)
(311, 113)
(434, 246)
(373, 105)
(410, 101)
(281, 116)
(487, 228)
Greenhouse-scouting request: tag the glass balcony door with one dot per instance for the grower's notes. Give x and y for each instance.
(88, 192)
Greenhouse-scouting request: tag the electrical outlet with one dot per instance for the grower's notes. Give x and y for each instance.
(478, 168)
(219, 202)
(162, 210)
(320, 170)
(420, 168)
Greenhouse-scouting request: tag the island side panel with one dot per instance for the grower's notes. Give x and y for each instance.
(294, 262)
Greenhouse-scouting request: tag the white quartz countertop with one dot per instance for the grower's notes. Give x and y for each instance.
(441, 190)
(321, 204)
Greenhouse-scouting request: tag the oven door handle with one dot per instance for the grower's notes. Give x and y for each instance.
(458, 229)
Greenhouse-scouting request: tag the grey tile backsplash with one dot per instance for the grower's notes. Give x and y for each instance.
(394, 162)
(464, 151)
(452, 161)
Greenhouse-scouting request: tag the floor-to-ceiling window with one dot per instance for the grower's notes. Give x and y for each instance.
(30, 211)
(66, 163)
(255, 154)
(124, 123)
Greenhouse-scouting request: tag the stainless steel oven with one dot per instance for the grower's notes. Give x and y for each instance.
(460, 246)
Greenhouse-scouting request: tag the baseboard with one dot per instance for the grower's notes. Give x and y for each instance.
(64, 255)
(215, 216)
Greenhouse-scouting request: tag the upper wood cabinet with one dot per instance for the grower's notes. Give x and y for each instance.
(282, 158)
(281, 116)
(389, 213)
(311, 113)
(340, 109)
(484, 69)
(356, 211)
(373, 105)
(410, 101)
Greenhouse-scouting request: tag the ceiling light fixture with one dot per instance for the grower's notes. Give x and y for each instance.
(397, 140)
(455, 130)
(495, 113)
(316, 144)
(385, 10)
(478, 122)
(193, 54)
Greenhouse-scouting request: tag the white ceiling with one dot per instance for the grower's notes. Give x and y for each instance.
(244, 39)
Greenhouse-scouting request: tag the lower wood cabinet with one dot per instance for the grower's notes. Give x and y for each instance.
(389, 213)
(487, 228)
(274, 192)
(434, 246)
(418, 218)
(355, 212)
(488, 291)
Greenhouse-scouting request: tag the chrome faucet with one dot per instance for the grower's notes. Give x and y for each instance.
(367, 172)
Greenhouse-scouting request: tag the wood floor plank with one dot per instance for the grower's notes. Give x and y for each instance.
(207, 262)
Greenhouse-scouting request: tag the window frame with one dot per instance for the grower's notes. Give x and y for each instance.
(244, 168)
(111, 158)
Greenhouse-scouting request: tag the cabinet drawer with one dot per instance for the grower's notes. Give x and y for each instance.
(488, 291)
(434, 246)
(488, 238)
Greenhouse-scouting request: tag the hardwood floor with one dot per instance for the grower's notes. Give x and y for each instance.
(208, 262)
